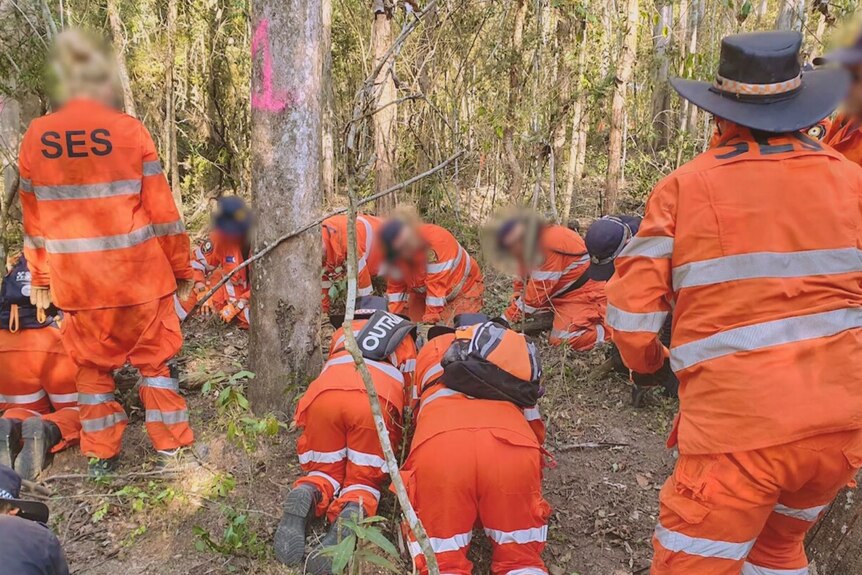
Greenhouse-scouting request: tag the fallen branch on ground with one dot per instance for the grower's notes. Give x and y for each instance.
(589, 445)
(315, 223)
(133, 475)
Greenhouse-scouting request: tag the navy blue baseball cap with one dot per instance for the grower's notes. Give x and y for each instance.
(605, 239)
(389, 232)
(232, 216)
(10, 491)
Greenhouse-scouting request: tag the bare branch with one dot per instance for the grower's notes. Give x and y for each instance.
(315, 223)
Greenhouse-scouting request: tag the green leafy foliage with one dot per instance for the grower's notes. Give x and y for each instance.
(238, 538)
(365, 545)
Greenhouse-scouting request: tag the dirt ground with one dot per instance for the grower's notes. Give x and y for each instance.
(216, 511)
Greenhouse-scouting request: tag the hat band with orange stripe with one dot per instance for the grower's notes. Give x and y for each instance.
(745, 89)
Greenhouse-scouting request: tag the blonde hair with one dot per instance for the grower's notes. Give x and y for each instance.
(82, 65)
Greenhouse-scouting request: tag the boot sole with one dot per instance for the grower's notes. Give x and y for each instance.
(289, 540)
(7, 449)
(34, 454)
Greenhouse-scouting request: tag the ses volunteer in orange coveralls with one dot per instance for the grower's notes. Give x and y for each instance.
(767, 320)
(104, 240)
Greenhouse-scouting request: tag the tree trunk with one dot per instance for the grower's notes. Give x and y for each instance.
(513, 166)
(10, 134)
(696, 11)
(580, 128)
(119, 52)
(791, 15)
(662, 34)
(386, 111)
(328, 105)
(624, 73)
(835, 544)
(171, 108)
(287, 83)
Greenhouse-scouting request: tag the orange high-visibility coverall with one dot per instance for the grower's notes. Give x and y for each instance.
(216, 256)
(101, 228)
(38, 380)
(475, 459)
(369, 253)
(579, 314)
(845, 135)
(339, 449)
(439, 283)
(767, 326)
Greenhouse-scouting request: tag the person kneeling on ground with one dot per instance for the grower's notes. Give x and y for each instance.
(38, 397)
(477, 449)
(339, 449)
(333, 232)
(554, 277)
(226, 248)
(27, 546)
(431, 276)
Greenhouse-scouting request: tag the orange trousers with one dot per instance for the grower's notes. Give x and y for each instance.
(219, 300)
(492, 475)
(37, 379)
(581, 325)
(340, 453)
(749, 512)
(102, 340)
(470, 300)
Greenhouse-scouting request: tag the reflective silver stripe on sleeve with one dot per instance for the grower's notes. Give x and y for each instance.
(751, 569)
(152, 168)
(648, 247)
(678, 542)
(767, 265)
(527, 571)
(396, 297)
(103, 423)
(365, 291)
(433, 372)
(528, 309)
(167, 417)
(200, 267)
(88, 191)
(436, 301)
(34, 242)
(161, 383)
(567, 335)
(179, 309)
(763, 335)
(25, 185)
(621, 320)
(95, 398)
(807, 514)
(169, 229)
(532, 414)
(545, 276)
(369, 238)
(447, 265)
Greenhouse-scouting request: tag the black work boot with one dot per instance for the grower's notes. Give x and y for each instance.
(639, 394)
(10, 441)
(290, 536)
(39, 437)
(319, 563)
(99, 468)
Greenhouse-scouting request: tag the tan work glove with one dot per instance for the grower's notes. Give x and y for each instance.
(184, 289)
(230, 311)
(41, 298)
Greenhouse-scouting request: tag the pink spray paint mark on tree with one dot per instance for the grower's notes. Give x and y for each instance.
(266, 98)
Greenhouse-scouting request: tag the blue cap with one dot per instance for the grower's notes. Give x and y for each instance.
(605, 239)
(10, 491)
(388, 233)
(232, 216)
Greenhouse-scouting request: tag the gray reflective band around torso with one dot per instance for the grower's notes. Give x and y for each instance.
(88, 191)
(763, 335)
(767, 265)
(120, 241)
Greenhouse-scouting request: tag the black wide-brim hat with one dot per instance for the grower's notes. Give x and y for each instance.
(761, 85)
(10, 491)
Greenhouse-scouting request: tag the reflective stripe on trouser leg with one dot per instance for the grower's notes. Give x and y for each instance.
(749, 569)
(780, 547)
(366, 469)
(167, 417)
(102, 418)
